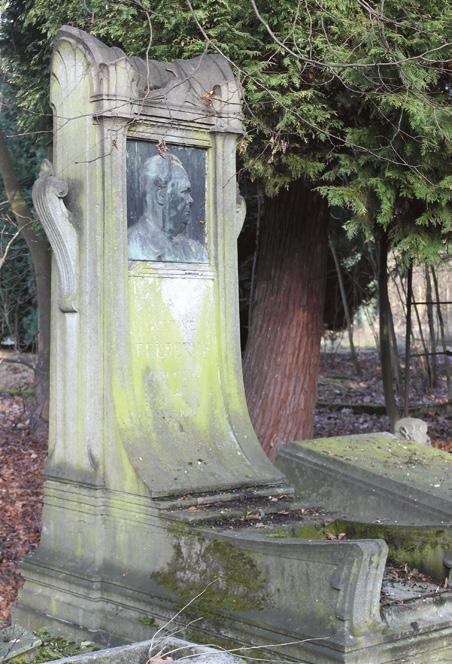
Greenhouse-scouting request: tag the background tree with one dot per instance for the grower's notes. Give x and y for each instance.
(24, 275)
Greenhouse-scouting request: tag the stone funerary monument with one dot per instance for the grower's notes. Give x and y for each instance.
(153, 461)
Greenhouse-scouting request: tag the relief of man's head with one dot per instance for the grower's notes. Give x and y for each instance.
(167, 191)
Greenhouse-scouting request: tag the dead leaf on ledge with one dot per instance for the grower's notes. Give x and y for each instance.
(250, 515)
(162, 147)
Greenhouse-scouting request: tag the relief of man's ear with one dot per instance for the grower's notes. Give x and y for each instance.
(161, 195)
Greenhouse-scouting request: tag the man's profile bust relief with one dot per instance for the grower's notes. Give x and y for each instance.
(161, 233)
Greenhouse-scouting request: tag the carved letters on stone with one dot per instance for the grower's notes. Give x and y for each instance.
(48, 191)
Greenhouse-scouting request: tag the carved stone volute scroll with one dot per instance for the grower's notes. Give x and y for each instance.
(48, 191)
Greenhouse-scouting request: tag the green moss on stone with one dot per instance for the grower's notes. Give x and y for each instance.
(224, 576)
(308, 532)
(53, 648)
(24, 392)
(417, 465)
(419, 547)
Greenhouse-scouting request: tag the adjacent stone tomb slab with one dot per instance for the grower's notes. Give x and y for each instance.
(396, 481)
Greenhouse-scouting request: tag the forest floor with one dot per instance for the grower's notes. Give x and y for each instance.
(348, 404)
(343, 399)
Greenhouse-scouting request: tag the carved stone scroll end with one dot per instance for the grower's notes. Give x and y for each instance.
(48, 191)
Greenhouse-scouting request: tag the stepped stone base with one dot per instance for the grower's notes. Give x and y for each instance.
(127, 567)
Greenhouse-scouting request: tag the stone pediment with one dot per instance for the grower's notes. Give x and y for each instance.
(201, 90)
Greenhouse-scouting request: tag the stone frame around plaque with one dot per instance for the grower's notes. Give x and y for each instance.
(167, 186)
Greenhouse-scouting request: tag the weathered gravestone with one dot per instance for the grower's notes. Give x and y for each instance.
(152, 455)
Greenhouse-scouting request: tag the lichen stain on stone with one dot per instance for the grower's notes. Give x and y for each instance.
(225, 577)
(164, 374)
(306, 532)
(173, 345)
(184, 298)
(383, 453)
(419, 547)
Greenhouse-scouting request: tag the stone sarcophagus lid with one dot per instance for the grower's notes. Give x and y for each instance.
(155, 474)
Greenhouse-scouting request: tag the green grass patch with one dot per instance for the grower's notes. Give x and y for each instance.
(53, 648)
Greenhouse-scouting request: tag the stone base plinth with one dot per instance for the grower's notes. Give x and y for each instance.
(126, 567)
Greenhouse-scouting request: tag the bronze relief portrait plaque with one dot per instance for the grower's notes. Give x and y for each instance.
(166, 203)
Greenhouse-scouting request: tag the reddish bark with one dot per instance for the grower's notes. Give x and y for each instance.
(281, 362)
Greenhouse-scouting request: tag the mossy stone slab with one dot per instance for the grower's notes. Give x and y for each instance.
(373, 477)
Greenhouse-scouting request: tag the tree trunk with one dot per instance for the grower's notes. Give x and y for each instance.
(408, 332)
(281, 362)
(442, 333)
(394, 354)
(385, 336)
(431, 328)
(422, 357)
(41, 258)
(348, 317)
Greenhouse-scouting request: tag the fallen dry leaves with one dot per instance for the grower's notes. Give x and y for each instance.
(21, 463)
(333, 536)
(338, 384)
